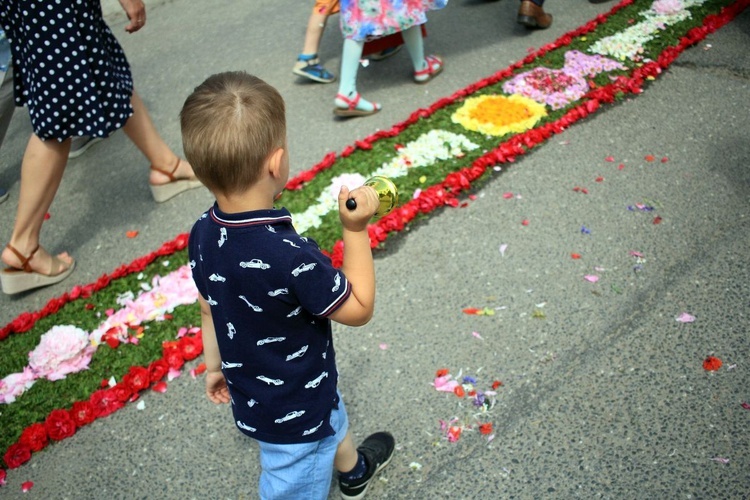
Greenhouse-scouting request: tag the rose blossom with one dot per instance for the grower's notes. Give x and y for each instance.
(83, 413)
(157, 370)
(34, 436)
(137, 378)
(62, 350)
(60, 425)
(17, 455)
(105, 402)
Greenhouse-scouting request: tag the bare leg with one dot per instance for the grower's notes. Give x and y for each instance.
(41, 173)
(140, 129)
(346, 455)
(315, 27)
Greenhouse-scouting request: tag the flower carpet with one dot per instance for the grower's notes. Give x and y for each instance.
(93, 350)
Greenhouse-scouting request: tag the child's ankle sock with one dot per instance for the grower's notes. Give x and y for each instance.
(306, 57)
(357, 472)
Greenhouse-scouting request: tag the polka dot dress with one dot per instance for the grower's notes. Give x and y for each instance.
(69, 69)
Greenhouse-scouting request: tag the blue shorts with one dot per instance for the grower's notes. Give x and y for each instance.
(294, 471)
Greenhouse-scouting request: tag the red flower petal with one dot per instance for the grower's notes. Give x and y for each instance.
(160, 387)
(621, 166)
(26, 486)
(609, 159)
(441, 372)
(664, 159)
(459, 391)
(485, 428)
(657, 219)
(599, 179)
(525, 222)
(131, 234)
(649, 158)
(470, 310)
(575, 256)
(496, 384)
(712, 363)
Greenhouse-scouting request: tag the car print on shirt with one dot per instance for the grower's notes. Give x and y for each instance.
(211, 302)
(268, 340)
(269, 381)
(252, 403)
(290, 243)
(336, 283)
(226, 365)
(246, 427)
(271, 228)
(231, 331)
(217, 278)
(297, 354)
(222, 236)
(280, 291)
(315, 383)
(295, 312)
(255, 308)
(303, 268)
(254, 264)
(314, 429)
(290, 416)
(192, 264)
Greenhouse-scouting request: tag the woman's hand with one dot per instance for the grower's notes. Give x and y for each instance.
(136, 12)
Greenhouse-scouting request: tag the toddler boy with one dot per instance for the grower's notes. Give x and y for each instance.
(267, 295)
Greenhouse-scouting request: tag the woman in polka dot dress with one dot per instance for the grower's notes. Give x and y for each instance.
(74, 78)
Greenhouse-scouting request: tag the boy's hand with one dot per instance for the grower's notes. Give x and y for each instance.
(367, 204)
(216, 388)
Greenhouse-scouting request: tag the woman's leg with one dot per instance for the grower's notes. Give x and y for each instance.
(41, 173)
(141, 130)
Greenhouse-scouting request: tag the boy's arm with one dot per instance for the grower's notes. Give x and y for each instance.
(216, 385)
(358, 266)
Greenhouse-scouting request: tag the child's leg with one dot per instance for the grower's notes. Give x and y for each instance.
(425, 68)
(347, 97)
(415, 46)
(346, 454)
(315, 27)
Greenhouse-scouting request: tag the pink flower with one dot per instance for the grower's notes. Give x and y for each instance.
(16, 384)
(667, 7)
(62, 350)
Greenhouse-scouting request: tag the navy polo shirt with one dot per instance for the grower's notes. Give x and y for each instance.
(271, 292)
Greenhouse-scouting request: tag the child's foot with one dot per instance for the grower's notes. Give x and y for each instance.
(378, 451)
(308, 66)
(354, 105)
(432, 67)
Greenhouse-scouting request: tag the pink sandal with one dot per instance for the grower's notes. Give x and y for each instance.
(433, 69)
(352, 109)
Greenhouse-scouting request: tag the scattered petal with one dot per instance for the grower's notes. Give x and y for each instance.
(471, 310)
(721, 460)
(649, 158)
(712, 363)
(459, 391)
(26, 486)
(47, 216)
(496, 384)
(415, 466)
(160, 387)
(141, 405)
(664, 159)
(585, 230)
(609, 159)
(383, 346)
(657, 219)
(508, 195)
(746, 405)
(476, 335)
(599, 179)
(575, 256)
(635, 253)
(525, 222)
(173, 374)
(621, 166)
(685, 318)
(454, 433)
(593, 278)
(485, 428)
(131, 234)
(503, 247)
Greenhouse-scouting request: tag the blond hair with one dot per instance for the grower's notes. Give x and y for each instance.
(231, 123)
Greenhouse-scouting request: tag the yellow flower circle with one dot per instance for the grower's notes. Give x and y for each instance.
(499, 115)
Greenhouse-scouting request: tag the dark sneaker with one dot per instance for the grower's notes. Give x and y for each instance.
(385, 53)
(313, 70)
(378, 451)
(80, 145)
(3, 194)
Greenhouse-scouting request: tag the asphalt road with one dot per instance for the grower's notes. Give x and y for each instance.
(604, 397)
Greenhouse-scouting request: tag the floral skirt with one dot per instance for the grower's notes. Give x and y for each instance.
(363, 20)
